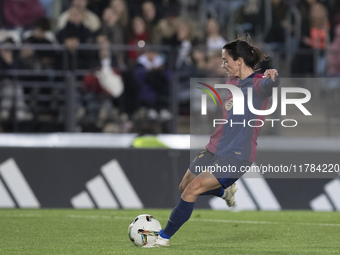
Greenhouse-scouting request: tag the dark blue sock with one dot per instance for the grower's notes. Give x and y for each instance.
(215, 192)
(180, 214)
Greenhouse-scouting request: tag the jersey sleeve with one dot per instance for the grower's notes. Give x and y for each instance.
(263, 86)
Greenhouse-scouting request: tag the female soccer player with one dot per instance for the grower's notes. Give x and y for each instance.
(229, 146)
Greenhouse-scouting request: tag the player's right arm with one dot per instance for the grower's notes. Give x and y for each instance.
(263, 84)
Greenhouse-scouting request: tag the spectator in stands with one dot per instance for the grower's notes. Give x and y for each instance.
(101, 90)
(154, 82)
(111, 28)
(28, 59)
(48, 7)
(319, 30)
(134, 7)
(41, 30)
(7, 60)
(304, 7)
(199, 60)
(35, 59)
(333, 8)
(75, 22)
(114, 32)
(215, 41)
(45, 111)
(98, 6)
(333, 56)
(10, 90)
(167, 29)
(74, 59)
(184, 39)
(248, 17)
(21, 13)
(88, 18)
(150, 17)
(149, 12)
(71, 40)
(275, 37)
(167, 8)
(138, 37)
(195, 66)
(314, 35)
(108, 69)
(121, 9)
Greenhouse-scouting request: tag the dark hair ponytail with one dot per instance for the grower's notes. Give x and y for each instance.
(242, 48)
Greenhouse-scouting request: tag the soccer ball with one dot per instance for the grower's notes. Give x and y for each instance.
(144, 229)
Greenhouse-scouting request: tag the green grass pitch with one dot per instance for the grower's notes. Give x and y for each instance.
(207, 232)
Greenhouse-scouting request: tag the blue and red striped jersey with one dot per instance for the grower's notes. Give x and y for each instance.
(240, 139)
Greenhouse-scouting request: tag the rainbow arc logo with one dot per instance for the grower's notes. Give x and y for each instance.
(209, 93)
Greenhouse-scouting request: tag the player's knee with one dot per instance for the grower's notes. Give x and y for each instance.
(181, 187)
(194, 187)
(184, 183)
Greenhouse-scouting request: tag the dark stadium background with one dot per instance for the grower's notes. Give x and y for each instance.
(80, 80)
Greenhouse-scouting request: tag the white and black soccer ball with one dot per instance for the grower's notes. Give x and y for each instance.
(144, 229)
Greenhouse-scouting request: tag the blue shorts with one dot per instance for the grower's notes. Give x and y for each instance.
(225, 169)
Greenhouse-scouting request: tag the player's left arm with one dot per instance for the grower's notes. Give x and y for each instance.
(264, 84)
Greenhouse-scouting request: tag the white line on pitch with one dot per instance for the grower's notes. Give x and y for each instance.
(208, 220)
(195, 220)
(20, 215)
(266, 222)
(88, 216)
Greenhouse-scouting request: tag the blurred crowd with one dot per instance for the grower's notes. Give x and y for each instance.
(125, 84)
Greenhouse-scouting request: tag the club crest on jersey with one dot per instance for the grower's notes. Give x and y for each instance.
(229, 104)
